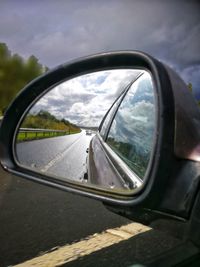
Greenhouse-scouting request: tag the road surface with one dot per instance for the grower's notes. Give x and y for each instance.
(63, 156)
(35, 218)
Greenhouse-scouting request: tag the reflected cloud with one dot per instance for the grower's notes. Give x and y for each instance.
(131, 133)
(84, 100)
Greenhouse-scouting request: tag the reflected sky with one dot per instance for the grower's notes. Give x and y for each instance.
(85, 100)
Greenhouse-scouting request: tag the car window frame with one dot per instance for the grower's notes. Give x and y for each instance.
(122, 95)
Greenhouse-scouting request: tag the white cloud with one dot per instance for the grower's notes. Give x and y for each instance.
(84, 100)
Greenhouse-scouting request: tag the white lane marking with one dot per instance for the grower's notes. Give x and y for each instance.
(58, 157)
(85, 247)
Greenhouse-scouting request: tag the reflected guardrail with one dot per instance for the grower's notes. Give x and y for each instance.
(33, 133)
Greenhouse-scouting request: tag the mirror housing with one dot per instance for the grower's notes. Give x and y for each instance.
(171, 168)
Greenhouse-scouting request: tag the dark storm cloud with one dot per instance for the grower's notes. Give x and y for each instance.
(57, 31)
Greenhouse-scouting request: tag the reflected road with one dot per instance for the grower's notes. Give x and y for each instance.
(63, 156)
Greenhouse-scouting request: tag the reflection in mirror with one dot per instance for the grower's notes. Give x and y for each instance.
(56, 135)
(131, 132)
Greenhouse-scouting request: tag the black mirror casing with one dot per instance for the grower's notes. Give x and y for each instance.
(173, 176)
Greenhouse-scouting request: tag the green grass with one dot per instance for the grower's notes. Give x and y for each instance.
(41, 135)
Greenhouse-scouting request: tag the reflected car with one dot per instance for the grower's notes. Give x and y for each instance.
(124, 143)
(88, 132)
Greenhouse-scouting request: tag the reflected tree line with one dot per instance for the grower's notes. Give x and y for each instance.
(45, 120)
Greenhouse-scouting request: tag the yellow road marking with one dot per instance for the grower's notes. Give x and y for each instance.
(85, 247)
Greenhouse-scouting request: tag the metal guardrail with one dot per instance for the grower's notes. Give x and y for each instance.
(40, 130)
(46, 132)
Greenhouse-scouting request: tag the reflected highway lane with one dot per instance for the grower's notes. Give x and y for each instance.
(63, 156)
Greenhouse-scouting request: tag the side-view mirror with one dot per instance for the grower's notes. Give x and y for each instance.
(120, 127)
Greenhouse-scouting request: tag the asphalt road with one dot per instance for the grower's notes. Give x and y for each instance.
(35, 218)
(63, 156)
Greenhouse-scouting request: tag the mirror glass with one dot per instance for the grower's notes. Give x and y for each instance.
(60, 134)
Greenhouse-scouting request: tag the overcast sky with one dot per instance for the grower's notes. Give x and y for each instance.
(58, 31)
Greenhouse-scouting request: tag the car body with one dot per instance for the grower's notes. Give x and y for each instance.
(123, 152)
